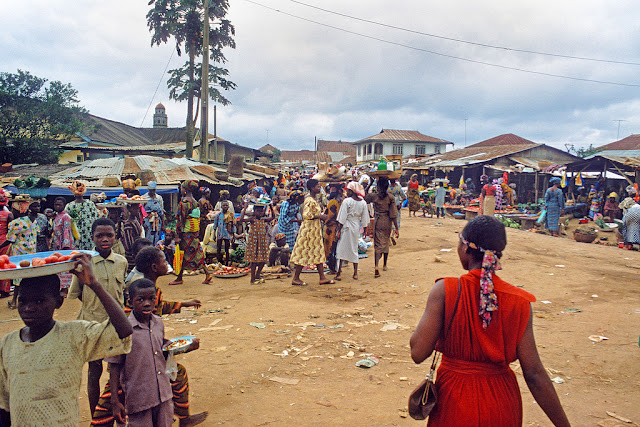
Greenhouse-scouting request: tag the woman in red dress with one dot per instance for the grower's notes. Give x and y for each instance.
(5, 218)
(491, 327)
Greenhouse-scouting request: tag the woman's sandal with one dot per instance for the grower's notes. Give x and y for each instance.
(338, 277)
(384, 268)
(327, 282)
(355, 277)
(376, 273)
(176, 282)
(207, 280)
(298, 283)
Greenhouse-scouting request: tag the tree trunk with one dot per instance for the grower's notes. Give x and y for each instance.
(190, 129)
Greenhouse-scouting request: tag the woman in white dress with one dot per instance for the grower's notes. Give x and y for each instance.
(353, 215)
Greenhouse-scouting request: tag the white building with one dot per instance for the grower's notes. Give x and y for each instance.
(404, 142)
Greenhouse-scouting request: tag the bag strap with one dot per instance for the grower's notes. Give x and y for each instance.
(446, 331)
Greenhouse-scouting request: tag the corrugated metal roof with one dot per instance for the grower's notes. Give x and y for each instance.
(505, 139)
(618, 153)
(631, 142)
(470, 156)
(402, 136)
(627, 161)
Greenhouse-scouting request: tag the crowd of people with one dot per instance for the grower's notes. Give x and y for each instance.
(295, 222)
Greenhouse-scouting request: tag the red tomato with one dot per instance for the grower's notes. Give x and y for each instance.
(57, 254)
(11, 265)
(51, 259)
(64, 258)
(4, 259)
(35, 262)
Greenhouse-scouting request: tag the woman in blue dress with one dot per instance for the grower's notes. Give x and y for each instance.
(288, 221)
(554, 204)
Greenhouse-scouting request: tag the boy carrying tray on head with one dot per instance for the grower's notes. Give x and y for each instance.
(41, 364)
(110, 270)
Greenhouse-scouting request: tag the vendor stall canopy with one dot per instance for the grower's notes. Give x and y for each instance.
(164, 171)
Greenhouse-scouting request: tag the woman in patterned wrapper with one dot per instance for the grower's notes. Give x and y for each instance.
(187, 238)
(385, 214)
(5, 218)
(83, 212)
(309, 248)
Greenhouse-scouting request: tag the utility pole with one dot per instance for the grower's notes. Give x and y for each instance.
(204, 92)
(619, 127)
(465, 132)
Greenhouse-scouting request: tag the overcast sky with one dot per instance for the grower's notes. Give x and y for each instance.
(298, 80)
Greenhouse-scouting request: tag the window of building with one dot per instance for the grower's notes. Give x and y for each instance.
(359, 150)
(421, 149)
(437, 149)
(80, 158)
(397, 148)
(369, 149)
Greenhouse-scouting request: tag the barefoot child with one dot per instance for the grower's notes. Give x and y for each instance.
(142, 373)
(41, 364)
(257, 253)
(481, 324)
(152, 263)
(110, 271)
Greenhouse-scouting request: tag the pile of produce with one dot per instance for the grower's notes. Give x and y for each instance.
(508, 222)
(229, 271)
(237, 255)
(32, 182)
(5, 262)
(586, 229)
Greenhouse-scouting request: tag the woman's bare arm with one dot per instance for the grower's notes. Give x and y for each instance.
(424, 338)
(537, 378)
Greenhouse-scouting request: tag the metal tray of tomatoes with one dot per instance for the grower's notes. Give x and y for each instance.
(52, 267)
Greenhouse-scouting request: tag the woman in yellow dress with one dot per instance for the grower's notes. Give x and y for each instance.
(309, 247)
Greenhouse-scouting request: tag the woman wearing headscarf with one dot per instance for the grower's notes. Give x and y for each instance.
(629, 200)
(5, 218)
(62, 238)
(309, 248)
(288, 222)
(611, 207)
(129, 231)
(83, 212)
(187, 230)
(331, 225)
(481, 324)
(205, 207)
(353, 215)
(385, 214)
(22, 234)
(154, 221)
(413, 195)
(554, 204)
(497, 183)
(224, 196)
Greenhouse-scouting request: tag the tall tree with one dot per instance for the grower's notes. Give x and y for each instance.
(36, 117)
(182, 20)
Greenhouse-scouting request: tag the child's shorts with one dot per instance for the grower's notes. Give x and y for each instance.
(158, 416)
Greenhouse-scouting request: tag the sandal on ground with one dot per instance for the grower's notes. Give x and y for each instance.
(176, 282)
(207, 280)
(384, 268)
(327, 282)
(376, 273)
(11, 306)
(355, 277)
(338, 277)
(298, 283)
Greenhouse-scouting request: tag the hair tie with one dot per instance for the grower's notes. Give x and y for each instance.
(488, 298)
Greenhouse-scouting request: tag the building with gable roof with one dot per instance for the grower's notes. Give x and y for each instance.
(399, 142)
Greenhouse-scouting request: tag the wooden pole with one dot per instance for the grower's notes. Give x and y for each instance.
(535, 185)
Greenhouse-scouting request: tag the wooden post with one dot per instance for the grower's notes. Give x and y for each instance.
(535, 185)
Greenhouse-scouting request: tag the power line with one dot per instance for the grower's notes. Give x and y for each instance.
(444, 54)
(157, 87)
(557, 55)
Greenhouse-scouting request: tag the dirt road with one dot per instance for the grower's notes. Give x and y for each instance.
(300, 368)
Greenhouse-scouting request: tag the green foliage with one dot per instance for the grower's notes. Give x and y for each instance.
(584, 152)
(36, 117)
(275, 157)
(182, 20)
(179, 83)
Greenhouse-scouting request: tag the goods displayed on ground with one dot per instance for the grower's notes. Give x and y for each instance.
(585, 234)
(179, 345)
(226, 272)
(313, 268)
(38, 264)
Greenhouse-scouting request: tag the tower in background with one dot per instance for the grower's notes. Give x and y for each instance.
(160, 117)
